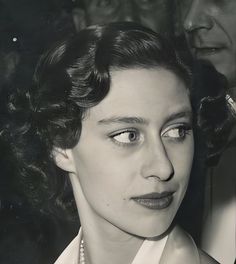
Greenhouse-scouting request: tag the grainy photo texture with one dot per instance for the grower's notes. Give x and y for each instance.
(117, 131)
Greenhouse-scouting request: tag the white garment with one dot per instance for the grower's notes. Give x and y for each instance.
(71, 254)
(178, 248)
(150, 251)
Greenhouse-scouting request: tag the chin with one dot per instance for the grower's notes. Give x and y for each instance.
(156, 232)
(226, 68)
(159, 227)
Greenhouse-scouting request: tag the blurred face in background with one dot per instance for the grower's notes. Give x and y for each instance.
(155, 14)
(210, 31)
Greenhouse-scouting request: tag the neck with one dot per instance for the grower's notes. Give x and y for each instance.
(108, 245)
(104, 243)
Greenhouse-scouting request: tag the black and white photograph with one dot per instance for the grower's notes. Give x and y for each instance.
(118, 132)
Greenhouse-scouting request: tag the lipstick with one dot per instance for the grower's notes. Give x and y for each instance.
(155, 201)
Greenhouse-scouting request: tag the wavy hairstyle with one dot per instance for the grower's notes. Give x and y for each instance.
(70, 78)
(215, 115)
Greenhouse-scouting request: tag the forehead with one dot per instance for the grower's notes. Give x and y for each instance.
(120, 3)
(155, 14)
(136, 9)
(148, 93)
(133, 81)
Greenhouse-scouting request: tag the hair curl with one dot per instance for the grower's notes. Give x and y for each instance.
(70, 78)
(215, 116)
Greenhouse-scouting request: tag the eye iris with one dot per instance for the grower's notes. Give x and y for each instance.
(104, 3)
(132, 136)
(181, 132)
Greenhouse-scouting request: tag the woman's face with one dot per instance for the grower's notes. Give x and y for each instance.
(134, 156)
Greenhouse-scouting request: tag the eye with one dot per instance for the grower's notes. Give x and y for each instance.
(104, 3)
(146, 3)
(177, 133)
(126, 137)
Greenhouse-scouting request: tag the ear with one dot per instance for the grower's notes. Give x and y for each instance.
(64, 159)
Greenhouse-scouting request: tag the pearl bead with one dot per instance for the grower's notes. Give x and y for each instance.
(81, 253)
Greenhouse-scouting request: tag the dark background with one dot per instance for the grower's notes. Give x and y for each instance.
(27, 28)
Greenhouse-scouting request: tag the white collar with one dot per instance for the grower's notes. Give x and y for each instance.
(149, 252)
(71, 254)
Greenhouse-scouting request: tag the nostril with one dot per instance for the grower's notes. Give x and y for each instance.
(191, 22)
(161, 178)
(166, 173)
(158, 169)
(168, 178)
(188, 26)
(194, 22)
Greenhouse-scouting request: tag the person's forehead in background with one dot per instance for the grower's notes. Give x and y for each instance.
(155, 14)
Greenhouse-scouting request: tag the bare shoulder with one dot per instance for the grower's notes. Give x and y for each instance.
(206, 259)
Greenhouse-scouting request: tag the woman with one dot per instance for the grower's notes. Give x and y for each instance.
(111, 108)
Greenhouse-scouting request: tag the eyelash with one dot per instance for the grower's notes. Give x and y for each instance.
(184, 128)
(123, 132)
(183, 131)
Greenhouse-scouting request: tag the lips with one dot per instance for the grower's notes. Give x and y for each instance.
(206, 46)
(155, 201)
(206, 51)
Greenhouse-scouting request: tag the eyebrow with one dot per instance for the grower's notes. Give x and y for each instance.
(126, 120)
(183, 114)
(143, 121)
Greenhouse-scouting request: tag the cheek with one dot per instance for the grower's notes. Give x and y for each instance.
(182, 158)
(103, 176)
(185, 166)
(182, 163)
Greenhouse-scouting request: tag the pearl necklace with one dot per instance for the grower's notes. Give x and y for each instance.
(81, 253)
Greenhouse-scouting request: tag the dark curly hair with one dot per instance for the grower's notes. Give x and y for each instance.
(215, 116)
(70, 78)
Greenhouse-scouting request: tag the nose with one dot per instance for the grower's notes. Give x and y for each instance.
(156, 163)
(197, 17)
